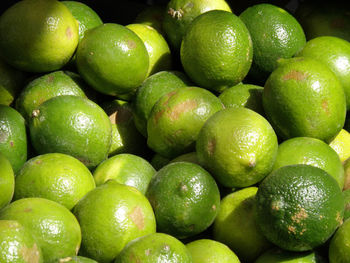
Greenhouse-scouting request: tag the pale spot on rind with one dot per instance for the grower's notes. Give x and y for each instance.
(211, 146)
(30, 255)
(180, 108)
(296, 75)
(137, 217)
(300, 215)
(131, 44)
(69, 32)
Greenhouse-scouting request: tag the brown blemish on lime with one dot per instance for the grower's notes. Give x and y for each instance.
(11, 143)
(302, 231)
(69, 32)
(158, 114)
(211, 146)
(325, 106)
(213, 207)
(300, 215)
(275, 206)
(30, 255)
(35, 113)
(133, 258)
(67, 259)
(27, 210)
(137, 217)
(347, 206)
(148, 252)
(184, 188)
(38, 162)
(291, 229)
(131, 44)
(50, 78)
(296, 75)
(339, 218)
(180, 108)
(169, 95)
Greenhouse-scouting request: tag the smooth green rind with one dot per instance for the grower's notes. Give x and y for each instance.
(339, 247)
(7, 181)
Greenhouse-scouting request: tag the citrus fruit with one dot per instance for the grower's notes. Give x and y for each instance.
(299, 207)
(311, 151)
(158, 161)
(156, 45)
(111, 216)
(54, 227)
(346, 166)
(41, 89)
(186, 157)
(185, 199)
(179, 14)
(335, 53)
(243, 95)
(112, 59)
(71, 125)
(39, 41)
(154, 87)
(13, 137)
(126, 169)
(17, 245)
(152, 16)
(211, 251)
(155, 247)
(238, 147)
(346, 195)
(303, 98)
(125, 136)
(275, 34)
(216, 51)
(76, 259)
(55, 176)
(7, 181)
(341, 144)
(168, 129)
(235, 225)
(87, 18)
(339, 247)
(277, 255)
(11, 81)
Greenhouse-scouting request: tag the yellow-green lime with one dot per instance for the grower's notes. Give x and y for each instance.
(157, 48)
(17, 245)
(235, 225)
(53, 226)
(311, 151)
(185, 199)
(13, 137)
(339, 247)
(126, 169)
(238, 146)
(277, 255)
(341, 145)
(216, 50)
(211, 251)
(303, 98)
(39, 41)
(71, 125)
(55, 176)
(7, 181)
(155, 247)
(112, 59)
(110, 217)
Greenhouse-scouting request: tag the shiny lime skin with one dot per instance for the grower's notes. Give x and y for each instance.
(111, 216)
(7, 181)
(41, 89)
(303, 98)
(339, 249)
(185, 199)
(72, 125)
(55, 176)
(176, 118)
(49, 223)
(299, 207)
(156, 247)
(335, 53)
(17, 245)
(112, 59)
(13, 137)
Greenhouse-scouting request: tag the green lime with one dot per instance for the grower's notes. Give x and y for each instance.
(7, 181)
(186, 157)
(299, 207)
(152, 16)
(346, 195)
(277, 255)
(158, 161)
(339, 247)
(346, 166)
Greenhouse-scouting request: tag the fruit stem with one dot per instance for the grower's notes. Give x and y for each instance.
(176, 13)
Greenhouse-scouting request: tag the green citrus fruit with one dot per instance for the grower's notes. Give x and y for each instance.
(13, 137)
(155, 247)
(211, 251)
(339, 247)
(158, 50)
(235, 225)
(39, 41)
(17, 245)
(186, 157)
(154, 87)
(71, 125)
(311, 151)
(176, 118)
(7, 181)
(75, 259)
(275, 34)
(179, 14)
(152, 16)
(346, 166)
(11, 82)
(238, 146)
(185, 199)
(335, 53)
(346, 195)
(41, 89)
(277, 255)
(303, 98)
(112, 59)
(243, 95)
(126, 169)
(158, 161)
(299, 207)
(55, 176)
(216, 51)
(54, 227)
(341, 145)
(111, 216)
